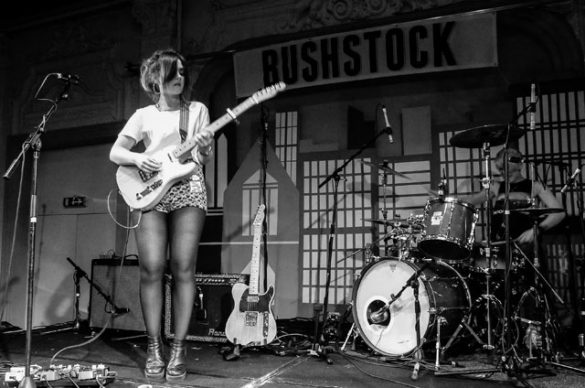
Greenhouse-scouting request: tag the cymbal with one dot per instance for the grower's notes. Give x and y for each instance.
(537, 212)
(494, 134)
(383, 167)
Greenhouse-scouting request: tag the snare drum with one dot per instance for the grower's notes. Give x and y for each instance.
(449, 229)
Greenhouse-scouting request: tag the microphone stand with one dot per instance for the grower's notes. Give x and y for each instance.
(33, 142)
(75, 324)
(319, 340)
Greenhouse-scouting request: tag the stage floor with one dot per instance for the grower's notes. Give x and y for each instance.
(124, 354)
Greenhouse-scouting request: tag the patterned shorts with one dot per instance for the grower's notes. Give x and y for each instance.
(188, 192)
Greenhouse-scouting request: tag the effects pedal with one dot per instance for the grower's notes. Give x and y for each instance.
(62, 375)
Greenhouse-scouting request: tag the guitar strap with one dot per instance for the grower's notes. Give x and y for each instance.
(184, 121)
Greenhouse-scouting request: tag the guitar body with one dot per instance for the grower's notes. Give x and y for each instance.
(143, 191)
(251, 323)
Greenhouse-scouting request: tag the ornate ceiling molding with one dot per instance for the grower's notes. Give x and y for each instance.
(155, 16)
(309, 14)
(74, 39)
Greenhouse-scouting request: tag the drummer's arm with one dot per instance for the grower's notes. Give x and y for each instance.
(477, 199)
(550, 201)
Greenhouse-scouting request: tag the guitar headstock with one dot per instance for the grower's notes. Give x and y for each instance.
(268, 92)
(259, 215)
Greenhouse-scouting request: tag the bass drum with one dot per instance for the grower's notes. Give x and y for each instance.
(442, 293)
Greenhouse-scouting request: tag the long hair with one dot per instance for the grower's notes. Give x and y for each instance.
(161, 66)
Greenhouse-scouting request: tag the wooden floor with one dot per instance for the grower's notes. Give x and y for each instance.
(291, 364)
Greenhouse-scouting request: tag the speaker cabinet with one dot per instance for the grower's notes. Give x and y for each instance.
(121, 285)
(211, 309)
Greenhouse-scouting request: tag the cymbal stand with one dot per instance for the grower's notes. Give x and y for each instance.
(486, 183)
(510, 360)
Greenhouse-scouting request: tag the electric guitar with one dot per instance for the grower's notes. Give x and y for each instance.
(142, 190)
(251, 323)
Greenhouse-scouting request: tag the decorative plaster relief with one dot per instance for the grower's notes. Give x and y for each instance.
(155, 16)
(73, 40)
(234, 21)
(100, 96)
(309, 14)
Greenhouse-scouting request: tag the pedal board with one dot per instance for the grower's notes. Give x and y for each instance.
(62, 375)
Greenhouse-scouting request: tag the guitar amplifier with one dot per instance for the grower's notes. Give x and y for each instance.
(212, 306)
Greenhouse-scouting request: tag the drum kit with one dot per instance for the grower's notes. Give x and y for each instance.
(436, 284)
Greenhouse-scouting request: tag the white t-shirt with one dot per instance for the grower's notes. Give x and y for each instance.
(160, 129)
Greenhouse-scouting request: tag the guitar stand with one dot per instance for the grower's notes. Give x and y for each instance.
(232, 355)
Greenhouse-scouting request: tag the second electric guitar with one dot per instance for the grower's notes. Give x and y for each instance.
(251, 323)
(142, 191)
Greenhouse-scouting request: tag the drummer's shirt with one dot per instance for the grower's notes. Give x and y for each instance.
(519, 198)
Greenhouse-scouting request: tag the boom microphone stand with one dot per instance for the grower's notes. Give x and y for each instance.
(319, 340)
(34, 142)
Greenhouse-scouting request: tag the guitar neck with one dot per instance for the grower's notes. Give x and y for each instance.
(255, 263)
(231, 115)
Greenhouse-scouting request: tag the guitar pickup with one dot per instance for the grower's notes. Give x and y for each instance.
(146, 176)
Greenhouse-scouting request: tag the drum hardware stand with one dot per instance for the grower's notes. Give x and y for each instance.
(577, 301)
(418, 352)
(319, 340)
(464, 324)
(537, 291)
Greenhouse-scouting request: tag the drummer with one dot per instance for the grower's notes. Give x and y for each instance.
(521, 188)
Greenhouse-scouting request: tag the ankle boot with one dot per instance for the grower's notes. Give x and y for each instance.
(177, 366)
(155, 363)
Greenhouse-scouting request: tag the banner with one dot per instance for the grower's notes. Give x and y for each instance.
(424, 46)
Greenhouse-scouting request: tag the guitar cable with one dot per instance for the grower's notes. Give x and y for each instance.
(114, 218)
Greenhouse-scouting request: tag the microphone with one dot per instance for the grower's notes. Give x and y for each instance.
(571, 180)
(532, 106)
(380, 315)
(443, 189)
(388, 127)
(73, 78)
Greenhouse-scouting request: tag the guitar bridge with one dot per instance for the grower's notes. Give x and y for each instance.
(251, 318)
